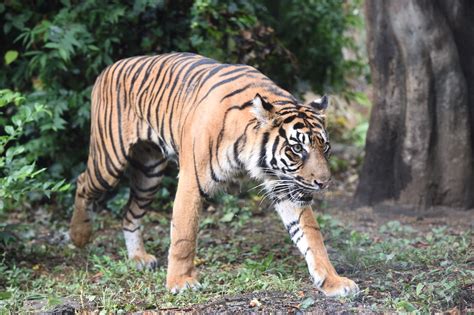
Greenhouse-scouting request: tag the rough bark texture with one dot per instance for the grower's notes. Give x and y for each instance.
(419, 147)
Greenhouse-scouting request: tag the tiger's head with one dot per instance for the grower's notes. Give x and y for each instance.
(294, 149)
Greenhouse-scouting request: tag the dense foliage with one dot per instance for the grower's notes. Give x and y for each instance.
(53, 50)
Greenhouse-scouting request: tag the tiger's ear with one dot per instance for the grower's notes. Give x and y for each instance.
(320, 104)
(262, 109)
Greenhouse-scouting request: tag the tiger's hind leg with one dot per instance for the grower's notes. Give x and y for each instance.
(80, 226)
(147, 164)
(92, 185)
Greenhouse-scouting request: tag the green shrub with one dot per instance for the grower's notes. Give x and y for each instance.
(313, 32)
(19, 174)
(53, 50)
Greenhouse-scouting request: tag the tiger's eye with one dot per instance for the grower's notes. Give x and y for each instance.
(297, 148)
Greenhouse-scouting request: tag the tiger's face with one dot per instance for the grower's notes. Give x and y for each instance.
(294, 149)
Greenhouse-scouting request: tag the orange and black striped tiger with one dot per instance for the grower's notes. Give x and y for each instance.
(215, 120)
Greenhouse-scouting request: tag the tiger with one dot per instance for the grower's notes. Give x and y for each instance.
(216, 121)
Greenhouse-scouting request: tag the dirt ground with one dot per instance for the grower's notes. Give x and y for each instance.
(366, 219)
(266, 231)
(339, 205)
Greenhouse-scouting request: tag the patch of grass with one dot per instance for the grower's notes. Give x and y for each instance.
(112, 285)
(100, 277)
(403, 269)
(397, 267)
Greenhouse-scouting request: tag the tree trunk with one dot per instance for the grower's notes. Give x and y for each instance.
(420, 142)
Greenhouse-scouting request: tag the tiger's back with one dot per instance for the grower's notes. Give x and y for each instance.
(160, 98)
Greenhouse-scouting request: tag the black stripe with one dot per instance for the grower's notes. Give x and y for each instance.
(213, 174)
(263, 152)
(137, 216)
(131, 231)
(99, 177)
(291, 224)
(274, 148)
(92, 187)
(145, 168)
(159, 77)
(287, 111)
(201, 191)
(295, 231)
(211, 74)
(145, 205)
(138, 71)
(181, 65)
(298, 239)
(146, 190)
(221, 132)
(240, 68)
(282, 132)
(241, 139)
(298, 125)
(306, 251)
(215, 86)
(109, 109)
(238, 91)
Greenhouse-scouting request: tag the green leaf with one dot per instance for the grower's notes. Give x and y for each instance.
(406, 306)
(10, 56)
(10, 130)
(227, 217)
(362, 99)
(65, 187)
(59, 186)
(33, 174)
(5, 295)
(53, 301)
(35, 296)
(419, 288)
(64, 54)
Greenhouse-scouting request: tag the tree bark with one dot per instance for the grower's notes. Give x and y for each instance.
(419, 148)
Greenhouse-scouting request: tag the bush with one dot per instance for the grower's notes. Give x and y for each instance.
(53, 50)
(19, 175)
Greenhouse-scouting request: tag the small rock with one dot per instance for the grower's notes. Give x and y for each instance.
(255, 303)
(211, 209)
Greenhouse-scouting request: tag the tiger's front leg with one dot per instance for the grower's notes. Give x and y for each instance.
(305, 233)
(184, 227)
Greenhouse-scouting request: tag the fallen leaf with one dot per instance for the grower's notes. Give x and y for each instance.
(97, 276)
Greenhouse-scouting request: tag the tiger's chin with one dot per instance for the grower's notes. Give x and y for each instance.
(301, 198)
(297, 197)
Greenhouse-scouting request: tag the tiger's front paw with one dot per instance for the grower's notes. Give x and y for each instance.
(80, 233)
(145, 261)
(179, 284)
(334, 286)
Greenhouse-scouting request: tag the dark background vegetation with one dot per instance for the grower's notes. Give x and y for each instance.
(53, 50)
